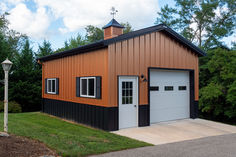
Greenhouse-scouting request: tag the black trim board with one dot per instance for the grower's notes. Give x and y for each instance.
(105, 118)
(143, 115)
(193, 103)
(104, 43)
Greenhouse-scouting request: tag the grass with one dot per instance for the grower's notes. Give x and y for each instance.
(66, 138)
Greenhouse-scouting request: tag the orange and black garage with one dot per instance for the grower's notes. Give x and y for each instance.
(126, 80)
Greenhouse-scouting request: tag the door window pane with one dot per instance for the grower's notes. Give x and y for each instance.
(127, 92)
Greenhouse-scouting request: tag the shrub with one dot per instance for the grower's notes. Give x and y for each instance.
(13, 107)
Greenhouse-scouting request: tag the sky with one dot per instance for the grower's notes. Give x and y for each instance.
(58, 20)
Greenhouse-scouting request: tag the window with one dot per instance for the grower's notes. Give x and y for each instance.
(51, 86)
(88, 87)
(127, 92)
(154, 88)
(169, 88)
(182, 87)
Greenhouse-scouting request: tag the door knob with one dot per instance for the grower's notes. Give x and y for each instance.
(135, 105)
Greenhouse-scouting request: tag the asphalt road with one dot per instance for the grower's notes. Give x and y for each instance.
(215, 146)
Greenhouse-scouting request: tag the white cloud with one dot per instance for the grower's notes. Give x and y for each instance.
(33, 18)
(77, 14)
(34, 24)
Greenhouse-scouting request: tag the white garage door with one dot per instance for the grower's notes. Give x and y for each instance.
(169, 95)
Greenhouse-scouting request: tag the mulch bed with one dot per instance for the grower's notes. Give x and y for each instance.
(15, 146)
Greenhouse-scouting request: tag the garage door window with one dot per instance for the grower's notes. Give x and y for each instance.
(127, 93)
(182, 88)
(169, 88)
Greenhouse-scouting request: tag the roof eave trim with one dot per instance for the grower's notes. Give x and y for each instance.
(71, 52)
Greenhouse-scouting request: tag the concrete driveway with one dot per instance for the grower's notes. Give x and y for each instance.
(214, 146)
(177, 131)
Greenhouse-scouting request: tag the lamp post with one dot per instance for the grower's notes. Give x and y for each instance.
(6, 65)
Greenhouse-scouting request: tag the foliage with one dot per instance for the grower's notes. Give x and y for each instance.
(203, 22)
(73, 43)
(13, 107)
(218, 83)
(66, 138)
(44, 50)
(10, 44)
(93, 33)
(128, 28)
(25, 81)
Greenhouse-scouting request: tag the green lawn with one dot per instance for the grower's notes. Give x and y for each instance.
(66, 138)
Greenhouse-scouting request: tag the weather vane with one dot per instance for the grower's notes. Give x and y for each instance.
(113, 11)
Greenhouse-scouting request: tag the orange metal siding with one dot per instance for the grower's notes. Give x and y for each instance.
(134, 56)
(67, 69)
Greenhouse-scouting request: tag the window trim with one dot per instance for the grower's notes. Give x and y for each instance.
(87, 78)
(51, 79)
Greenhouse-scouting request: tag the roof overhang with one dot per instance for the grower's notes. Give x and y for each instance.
(104, 43)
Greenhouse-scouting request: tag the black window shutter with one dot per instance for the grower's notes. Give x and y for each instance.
(77, 86)
(57, 86)
(98, 87)
(45, 89)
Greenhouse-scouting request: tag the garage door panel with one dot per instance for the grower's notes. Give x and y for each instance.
(168, 115)
(172, 102)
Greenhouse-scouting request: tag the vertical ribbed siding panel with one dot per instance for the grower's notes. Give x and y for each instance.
(171, 53)
(124, 57)
(118, 58)
(131, 56)
(158, 50)
(136, 55)
(162, 46)
(112, 71)
(151, 47)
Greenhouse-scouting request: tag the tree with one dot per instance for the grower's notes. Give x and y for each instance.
(128, 28)
(73, 43)
(25, 85)
(201, 21)
(10, 43)
(45, 49)
(218, 84)
(93, 34)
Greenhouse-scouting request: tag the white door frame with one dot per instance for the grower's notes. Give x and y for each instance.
(135, 78)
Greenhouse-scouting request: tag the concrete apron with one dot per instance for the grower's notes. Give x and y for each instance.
(176, 131)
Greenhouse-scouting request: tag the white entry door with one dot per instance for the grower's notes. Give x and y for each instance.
(128, 102)
(169, 95)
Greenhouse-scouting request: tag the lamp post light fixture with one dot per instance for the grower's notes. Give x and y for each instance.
(6, 65)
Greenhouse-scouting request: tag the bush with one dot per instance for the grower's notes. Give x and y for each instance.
(13, 107)
(218, 85)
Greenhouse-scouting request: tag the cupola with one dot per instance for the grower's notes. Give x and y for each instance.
(112, 29)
